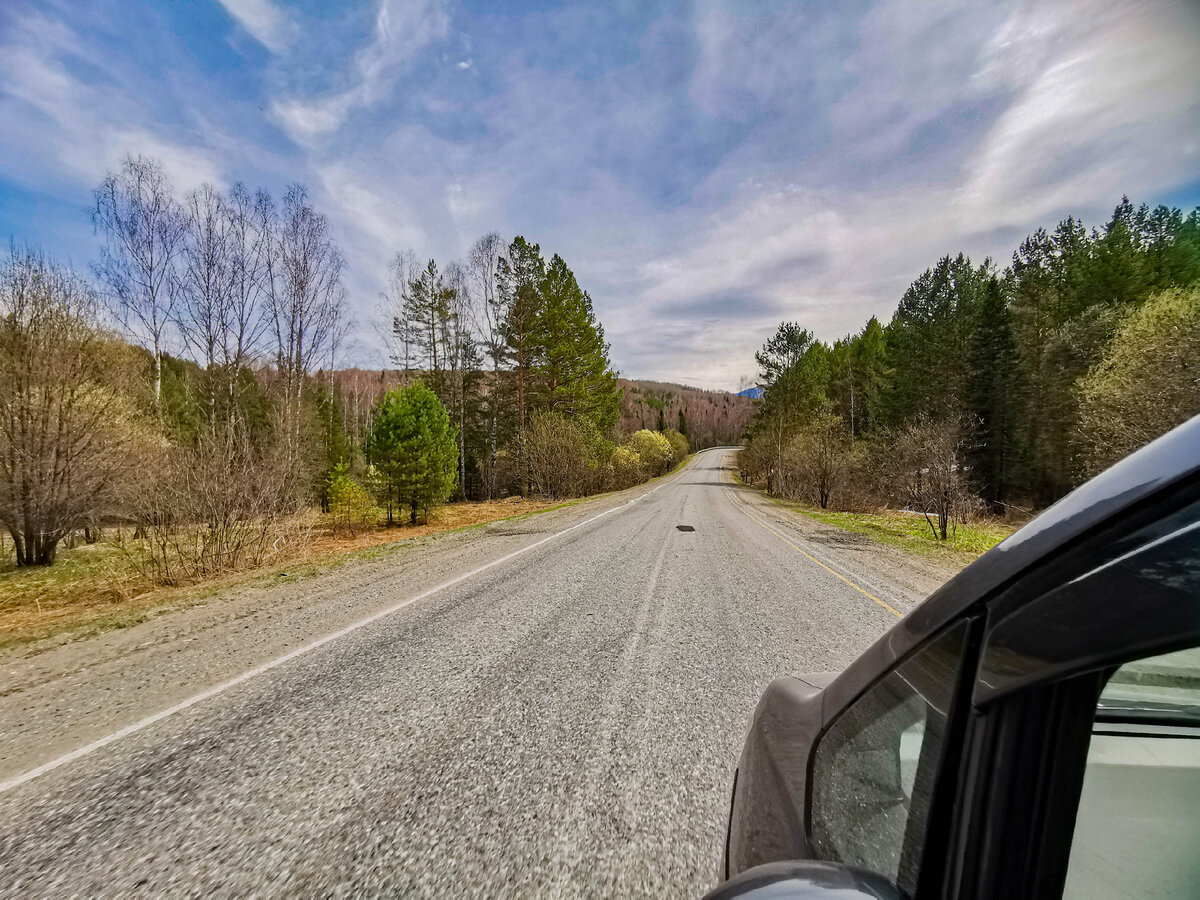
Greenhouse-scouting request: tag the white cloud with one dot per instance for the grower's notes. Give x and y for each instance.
(1108, 102)
(84, 130)
(264, 21)
(402, 30)
(1102, 99)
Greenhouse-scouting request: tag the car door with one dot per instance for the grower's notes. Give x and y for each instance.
(1082, 750)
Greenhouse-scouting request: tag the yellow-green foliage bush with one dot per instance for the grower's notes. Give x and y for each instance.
(654, 451)
(679, 446)
(626, 467)
(1147, 381)
(350, 503)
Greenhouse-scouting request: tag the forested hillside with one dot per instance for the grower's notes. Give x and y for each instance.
(993, 386)
(707, 418)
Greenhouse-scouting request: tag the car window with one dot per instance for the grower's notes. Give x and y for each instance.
(874, 769)
(1137, 831)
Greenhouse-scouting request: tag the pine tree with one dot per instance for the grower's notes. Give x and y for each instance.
(927, 341)
(520, 276)
(572, 373)
(414, 448)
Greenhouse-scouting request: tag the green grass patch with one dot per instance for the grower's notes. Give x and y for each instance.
(912, 533)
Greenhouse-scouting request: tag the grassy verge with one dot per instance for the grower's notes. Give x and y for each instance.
(95, 588)
(965, 543)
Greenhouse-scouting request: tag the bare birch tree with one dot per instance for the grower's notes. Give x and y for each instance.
(251, 221)
(488, 315)
(205, 303)
(307, 301)
(144, 231)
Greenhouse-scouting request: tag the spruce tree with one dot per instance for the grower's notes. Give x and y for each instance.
(992, 365)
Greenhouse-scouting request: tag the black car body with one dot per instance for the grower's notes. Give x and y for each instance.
(988, 745)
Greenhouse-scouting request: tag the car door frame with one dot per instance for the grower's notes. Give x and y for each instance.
(1034, 701)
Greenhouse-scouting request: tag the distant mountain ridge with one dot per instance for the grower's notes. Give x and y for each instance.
(708, 418)
(754, 393)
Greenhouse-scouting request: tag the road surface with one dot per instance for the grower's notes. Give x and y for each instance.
(550, 707)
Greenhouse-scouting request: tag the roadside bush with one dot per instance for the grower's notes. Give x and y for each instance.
(679, 446)
(815, 462)
(1147, 382)
(924, 471)
(626, 467)
(350, 506)
(653, 450)
(754, 460)
(220, 506)
(564, 456)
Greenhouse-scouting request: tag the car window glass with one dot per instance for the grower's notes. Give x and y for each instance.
(874, 769)
(1137, 831)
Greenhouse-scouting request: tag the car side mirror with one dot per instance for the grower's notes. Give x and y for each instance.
(805, 878)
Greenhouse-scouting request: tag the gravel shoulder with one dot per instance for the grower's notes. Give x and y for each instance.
(893, 570)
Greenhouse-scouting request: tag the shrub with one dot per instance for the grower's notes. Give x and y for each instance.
(216, 507)
(350, 504)
(653, 450)
(679, 446)
(564, 456)
(1147, 382)
(626, 467)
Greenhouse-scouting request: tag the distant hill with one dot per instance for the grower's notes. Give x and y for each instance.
(708, 418)
(754, 393)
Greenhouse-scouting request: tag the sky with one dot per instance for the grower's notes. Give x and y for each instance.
(707, 169)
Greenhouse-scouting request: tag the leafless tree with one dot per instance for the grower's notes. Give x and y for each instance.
(394, 327)
(206, 285)
(307, 300)
(815, 461)
(67, 432)
(488, 316)
(251, 221)
(924, 467)
(144, 230)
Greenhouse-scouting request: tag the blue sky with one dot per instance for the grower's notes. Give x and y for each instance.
(707, 169)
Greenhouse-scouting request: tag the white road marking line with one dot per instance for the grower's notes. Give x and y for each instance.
(17, 780)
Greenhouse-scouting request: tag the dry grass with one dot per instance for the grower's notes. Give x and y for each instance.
(98, 587)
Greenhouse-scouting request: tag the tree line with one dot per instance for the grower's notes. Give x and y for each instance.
(187, 391)
(992, 388)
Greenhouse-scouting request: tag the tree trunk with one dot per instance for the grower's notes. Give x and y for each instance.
(412, 518)
(157, 379)
(35, 550)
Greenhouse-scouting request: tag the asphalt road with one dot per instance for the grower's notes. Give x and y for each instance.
(563, 722)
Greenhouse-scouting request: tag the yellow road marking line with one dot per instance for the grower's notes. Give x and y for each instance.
(809, 556)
